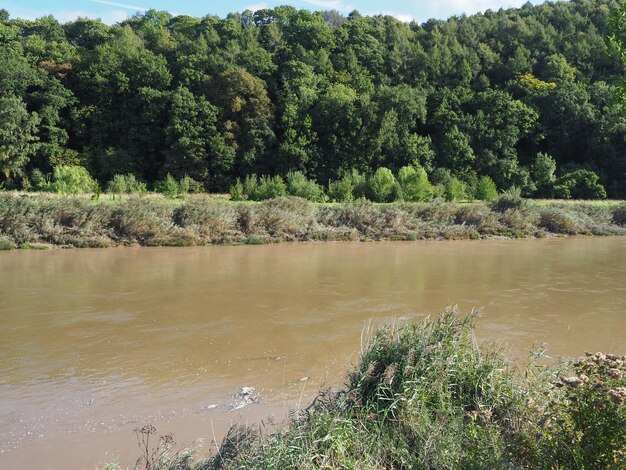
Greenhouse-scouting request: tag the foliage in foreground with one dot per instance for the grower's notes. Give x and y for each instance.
(425, 396)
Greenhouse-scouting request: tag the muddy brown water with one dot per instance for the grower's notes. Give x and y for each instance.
(95, 343)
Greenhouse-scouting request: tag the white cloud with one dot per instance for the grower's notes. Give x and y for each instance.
(330, 4)
(64, 16)
(405, 18)
(256, 6)
(445, 8)
(114, 16)
(120, 5)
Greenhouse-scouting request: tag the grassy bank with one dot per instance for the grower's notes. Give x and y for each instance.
(28, 220)
(425, 396)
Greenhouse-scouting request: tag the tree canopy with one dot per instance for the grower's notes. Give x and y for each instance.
(523, 97)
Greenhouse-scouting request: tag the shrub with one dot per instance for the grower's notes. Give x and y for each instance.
(6, 243)
(250, 184)
(519, 222)
(70, 179)
(287, 217)
(361, 214)
(542, 173)
(237, 192)
(619, 215)
(142, 221)
(40, 181)
(579, 184)
(126, 184)
(382, 186)
(340, 191)
(188, 185)
(424, 395)
(177, 189)
(298, 185)
(584, 417)
(269, 187)
(167, 186)
(486, 190)
(211, 219)
(414, 184)
(351, 186)
(479, 216)
(511, 199)
(454, 190)
(242, 191)
(557, 220)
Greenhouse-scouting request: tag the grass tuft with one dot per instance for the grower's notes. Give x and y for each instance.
(425, 396)
(27, 219)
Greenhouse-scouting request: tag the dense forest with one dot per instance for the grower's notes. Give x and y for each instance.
(522, 96)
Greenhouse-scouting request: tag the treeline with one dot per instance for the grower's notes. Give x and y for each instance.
(521, 96)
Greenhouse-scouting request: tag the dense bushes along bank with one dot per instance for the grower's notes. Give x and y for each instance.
(426, 397)
(28, 220)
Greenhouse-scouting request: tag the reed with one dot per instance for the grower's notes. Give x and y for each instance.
(424, 395)
(76, 221)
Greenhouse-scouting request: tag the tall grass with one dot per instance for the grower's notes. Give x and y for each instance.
(424, 395)
(200, 220)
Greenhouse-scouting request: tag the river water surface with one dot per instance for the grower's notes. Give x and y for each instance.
(95, 343)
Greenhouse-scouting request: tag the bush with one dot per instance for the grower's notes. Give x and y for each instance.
(557, 220)
(619, 215)
(268, 187)
(542, 173)
(584, 417)
(382, 186)
(298, 185)
(579, 184)
(511, 199)
(6, 243)
(177, 189)
(424, 395)
(210, 219)
(454, 190)
(486, 190)
(142, 221)
(167, 186)
(289, 218)
(481, 217)
(70, 179)
(237, 192)
(351, 186)
(414, 184)
(126, 184)
(188, 185)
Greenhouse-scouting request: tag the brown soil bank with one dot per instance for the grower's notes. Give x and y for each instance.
(32, 220)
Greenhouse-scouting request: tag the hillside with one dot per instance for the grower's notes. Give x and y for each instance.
(523, 96)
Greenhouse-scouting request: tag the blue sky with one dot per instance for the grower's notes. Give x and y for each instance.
(111, 11)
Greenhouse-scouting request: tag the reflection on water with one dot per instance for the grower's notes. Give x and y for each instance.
(95, 342)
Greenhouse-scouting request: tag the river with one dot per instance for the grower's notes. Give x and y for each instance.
(95, 343)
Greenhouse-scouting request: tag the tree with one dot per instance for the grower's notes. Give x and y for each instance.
(414, 184)
(542, 172)
(382, 186)
(579, 184)
(195, 147)
(18, 130)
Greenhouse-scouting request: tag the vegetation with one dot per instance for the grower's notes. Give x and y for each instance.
(318, 99)
(198, 219)
(425, 396)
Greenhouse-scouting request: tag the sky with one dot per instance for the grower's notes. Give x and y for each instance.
(112, 11)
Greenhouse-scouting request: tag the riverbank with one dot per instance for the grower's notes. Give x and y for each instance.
(41, 221)
(425, 395)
